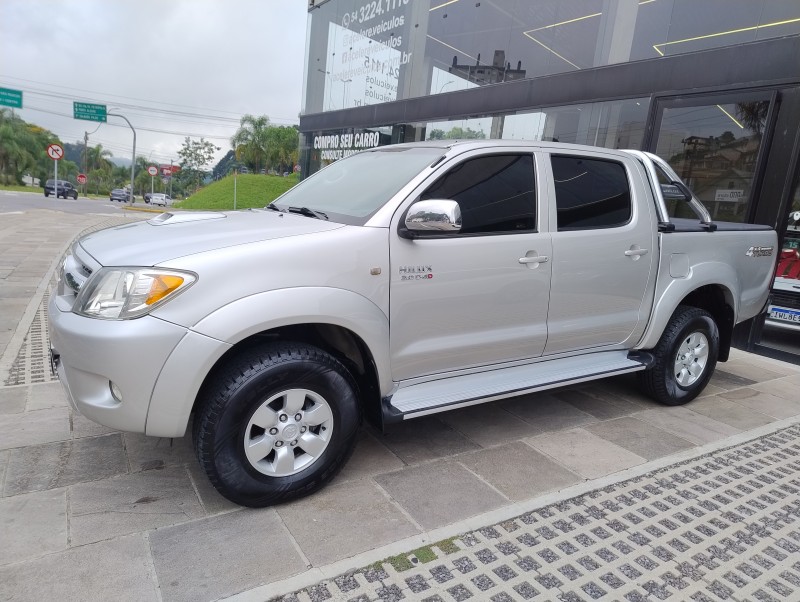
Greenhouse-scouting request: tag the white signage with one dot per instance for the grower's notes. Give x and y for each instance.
(729, 196)
(338, 146)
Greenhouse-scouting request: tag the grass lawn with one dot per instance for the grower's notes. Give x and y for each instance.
(18, 188)
(251, 191)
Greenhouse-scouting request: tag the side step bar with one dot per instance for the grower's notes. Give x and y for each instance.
(445, 394)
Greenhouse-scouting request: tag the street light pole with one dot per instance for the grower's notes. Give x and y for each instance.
(133, 162)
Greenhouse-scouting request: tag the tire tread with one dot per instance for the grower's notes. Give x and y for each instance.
(236, 372)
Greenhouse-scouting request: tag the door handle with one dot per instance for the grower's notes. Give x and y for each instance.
(534, 259)
(635, 252)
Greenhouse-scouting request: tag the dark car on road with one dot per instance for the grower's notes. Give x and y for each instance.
(65, 189)
(120, 194)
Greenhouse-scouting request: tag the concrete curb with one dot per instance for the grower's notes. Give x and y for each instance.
(329, 571)
(16, 342)
(145, 209)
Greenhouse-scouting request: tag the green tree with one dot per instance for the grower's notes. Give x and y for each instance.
(195, 156)
(436, 134)
(250, 142)
(458, 133)
(282, 147)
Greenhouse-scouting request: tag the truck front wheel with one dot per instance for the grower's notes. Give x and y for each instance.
(685, 357)
(278, 422)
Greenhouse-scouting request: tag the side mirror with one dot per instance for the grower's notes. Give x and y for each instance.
(431, 217)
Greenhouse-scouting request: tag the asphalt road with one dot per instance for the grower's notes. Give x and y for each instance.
(21, 201)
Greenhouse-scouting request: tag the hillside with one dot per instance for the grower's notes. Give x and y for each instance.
(251, 191)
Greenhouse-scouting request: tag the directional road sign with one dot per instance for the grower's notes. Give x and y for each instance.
(11, 98)
(55, 151)
(152, 170)
(81, 178)
(89, 111)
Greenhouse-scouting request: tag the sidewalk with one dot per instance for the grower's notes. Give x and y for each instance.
(89, 513)
(724, 526)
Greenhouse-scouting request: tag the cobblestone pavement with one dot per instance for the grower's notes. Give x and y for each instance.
(725, 526)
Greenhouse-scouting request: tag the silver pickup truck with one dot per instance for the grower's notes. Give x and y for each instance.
(399, 282)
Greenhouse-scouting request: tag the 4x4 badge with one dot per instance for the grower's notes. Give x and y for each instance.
(759, 252)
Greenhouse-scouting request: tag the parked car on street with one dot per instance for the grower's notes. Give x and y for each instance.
(123, 195)
(65, 189)
(399, 282)
(784, 308)
(160, 199)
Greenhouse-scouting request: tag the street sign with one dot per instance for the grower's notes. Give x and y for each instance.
(152, 170)
(11, 98)
(55, 151)
(89, 112)
(166, 171)
(81, 178)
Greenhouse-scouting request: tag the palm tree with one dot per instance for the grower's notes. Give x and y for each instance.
(96, 157)
(250, 142)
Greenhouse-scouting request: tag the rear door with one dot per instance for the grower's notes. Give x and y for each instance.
(480, 296)
(604, 250)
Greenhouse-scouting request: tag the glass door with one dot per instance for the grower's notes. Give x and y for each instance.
(715, 144)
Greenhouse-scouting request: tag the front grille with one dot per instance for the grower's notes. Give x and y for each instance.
(786, 299)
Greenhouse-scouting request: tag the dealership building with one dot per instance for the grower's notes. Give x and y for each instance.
(711, 86)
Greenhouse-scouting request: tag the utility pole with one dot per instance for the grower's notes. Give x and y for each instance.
(85, 156)
(133, 162)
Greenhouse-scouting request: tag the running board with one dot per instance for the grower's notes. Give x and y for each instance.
(449, 393)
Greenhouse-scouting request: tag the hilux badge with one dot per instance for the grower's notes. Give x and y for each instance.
(759, 252)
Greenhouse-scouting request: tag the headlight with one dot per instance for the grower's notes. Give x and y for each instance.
(124, 293)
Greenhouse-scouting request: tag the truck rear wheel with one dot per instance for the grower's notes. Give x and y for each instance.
(685, 357)
(277, 423)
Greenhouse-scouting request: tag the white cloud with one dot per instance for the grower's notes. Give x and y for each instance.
(191, 56)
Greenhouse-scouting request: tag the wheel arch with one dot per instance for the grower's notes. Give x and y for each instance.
(715, 298)
(347, 325)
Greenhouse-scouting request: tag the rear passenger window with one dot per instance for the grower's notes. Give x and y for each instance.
(495, 193)
(590, 193)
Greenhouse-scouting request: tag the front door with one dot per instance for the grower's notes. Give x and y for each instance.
(604, 251)
(477, 297)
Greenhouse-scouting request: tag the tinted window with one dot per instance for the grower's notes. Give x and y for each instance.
(496, 193)
(590, 193)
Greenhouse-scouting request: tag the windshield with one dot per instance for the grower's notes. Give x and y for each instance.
(352, 189)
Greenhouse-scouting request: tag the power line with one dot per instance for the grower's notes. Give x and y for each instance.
(237, 117)
(144, 129)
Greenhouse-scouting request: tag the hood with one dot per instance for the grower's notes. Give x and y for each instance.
(173, 235)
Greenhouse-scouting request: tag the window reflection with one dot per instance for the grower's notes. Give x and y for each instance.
(714, 149)
(419, 47)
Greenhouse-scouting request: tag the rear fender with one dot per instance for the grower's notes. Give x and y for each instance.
(677, 289)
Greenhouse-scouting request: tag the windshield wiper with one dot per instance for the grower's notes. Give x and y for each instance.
(308, 212)
(274, 207)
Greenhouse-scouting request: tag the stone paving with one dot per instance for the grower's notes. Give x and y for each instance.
(725, 526)
(89, 513)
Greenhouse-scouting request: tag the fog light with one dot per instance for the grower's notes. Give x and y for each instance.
(115, 392)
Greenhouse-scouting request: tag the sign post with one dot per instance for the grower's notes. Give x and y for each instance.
(11, 98)
(153, 171)
(55, 152)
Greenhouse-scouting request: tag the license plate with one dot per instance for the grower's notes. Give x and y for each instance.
(782, 313)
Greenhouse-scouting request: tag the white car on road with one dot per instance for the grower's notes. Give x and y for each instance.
(160, 199)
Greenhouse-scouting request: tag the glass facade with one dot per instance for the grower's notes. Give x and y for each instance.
(363, 52)
(725, 120)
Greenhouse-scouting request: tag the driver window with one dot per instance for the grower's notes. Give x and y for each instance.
(496, 194)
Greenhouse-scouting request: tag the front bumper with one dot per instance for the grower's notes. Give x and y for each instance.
(89, 354)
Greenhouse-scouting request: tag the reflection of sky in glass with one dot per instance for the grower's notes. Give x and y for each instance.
(544, 37)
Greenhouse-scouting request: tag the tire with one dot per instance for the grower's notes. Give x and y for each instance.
(685, 357)
(296, 410)
(46, 194)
